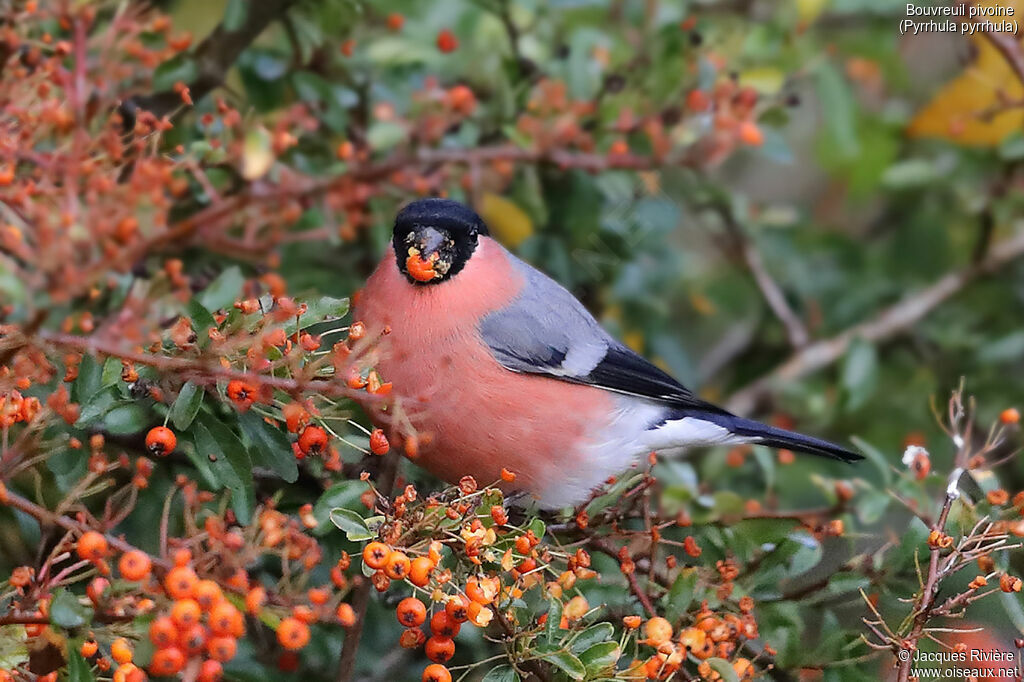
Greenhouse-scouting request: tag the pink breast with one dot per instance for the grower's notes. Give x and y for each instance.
(472, 416)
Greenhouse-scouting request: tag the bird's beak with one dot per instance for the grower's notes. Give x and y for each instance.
(423, 262)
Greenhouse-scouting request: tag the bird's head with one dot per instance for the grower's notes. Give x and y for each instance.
(434, 239)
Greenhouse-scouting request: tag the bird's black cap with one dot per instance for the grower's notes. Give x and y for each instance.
(439, 213)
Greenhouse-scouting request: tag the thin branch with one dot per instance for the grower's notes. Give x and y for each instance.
(772, 293)
(890, 322)
(44, 515)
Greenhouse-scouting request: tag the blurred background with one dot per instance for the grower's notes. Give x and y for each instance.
(794, 209)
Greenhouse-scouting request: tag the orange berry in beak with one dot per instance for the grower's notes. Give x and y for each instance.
(420, 269)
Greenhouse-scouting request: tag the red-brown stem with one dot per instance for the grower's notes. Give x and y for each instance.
(44, 515)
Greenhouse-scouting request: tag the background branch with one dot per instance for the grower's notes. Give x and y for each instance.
(890, 322)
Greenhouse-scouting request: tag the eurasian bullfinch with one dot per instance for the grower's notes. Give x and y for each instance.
(495, 365)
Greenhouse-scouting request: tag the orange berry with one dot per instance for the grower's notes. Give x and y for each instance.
(318, 595)
(395, 21)
(346, 615)
(379, 442)
(313, 440)
(193, 640)
(304, 613)
(698, 100)
(161, 441)
(411, 638)
(293, 634)
(480, 591)
(397, 566)
(435, 672)
(121, 651)
(241, 393)
(751, 134)
(1010, 415)
(167, 662)
(255, 599)
(420, 570)
(210, 671)
(457, 609)
(162, 632)
(134, 565)
(618, 148)
(507, 476)
(295, 416)
(658, 631)
(180, 582)
(182, 557)
(92, 546)
(439, 649)
(443, 625)
(88, 649)
(376, 554)
(226, 621)
(207, 594)
(692, 639)
(129, 672)
(222, 648)
(411, 612)
(446, 41)
(185, 613)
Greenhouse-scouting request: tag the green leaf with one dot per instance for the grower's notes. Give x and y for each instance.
(186, 405)
(78, 668)
(551, 627)
(67, 612)
(97, 406)
(503, 673)
(352, 524)
(223, 291)
(343, 494)
(538, 528)
(268, 446)
(111, 373)
(180, 68)
(839, 111)
(384, 135)
(125, 418)
(235, 14)
(90, 377)
(871, 505)
(680, 595)
(909, 174)
(566, 662)
(724, 668)
(860, 373)
(230, 461)
(595, 634)
(323, 309)
(876, 457)
(202, 322)
(600, 656)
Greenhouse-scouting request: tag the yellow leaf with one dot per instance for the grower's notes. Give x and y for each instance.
(508, 223)
(635, 340)
(809, 10)
(967, 110)
(257, 157)
(766, 80)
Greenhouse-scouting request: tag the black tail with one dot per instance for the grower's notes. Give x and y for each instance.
(762, 434)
